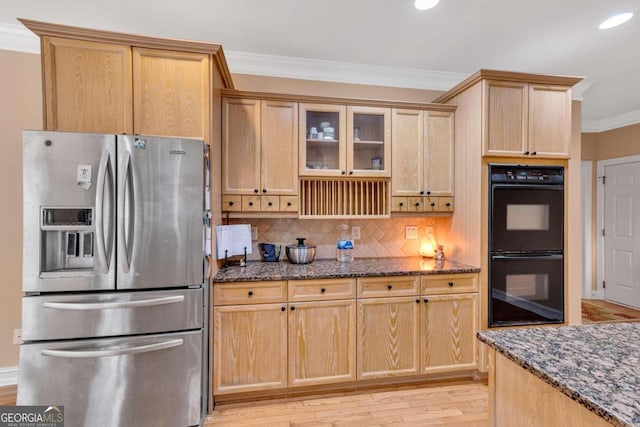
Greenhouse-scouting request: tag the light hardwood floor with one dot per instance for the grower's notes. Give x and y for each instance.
(459, 404)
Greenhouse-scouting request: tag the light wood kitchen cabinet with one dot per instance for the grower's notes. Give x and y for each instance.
(260, 153)
(355, 141)
(449, 326)
(87, 86)
(171, 93)
(422, 157)
(322, 342)
(249, 344)
(526, 120)
(249, 336)
(388, 337)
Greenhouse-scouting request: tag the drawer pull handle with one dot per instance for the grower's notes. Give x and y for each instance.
(250, 203)
(250, 293)
(426, 300)
(448, 204)
(293, 308)
(389, 287)
(288, 203)
(270, 203)
(401, 204)
(433, 204)
(451, 284)
(230, 203)
(283, 308)
(323, 290)
(417, 204)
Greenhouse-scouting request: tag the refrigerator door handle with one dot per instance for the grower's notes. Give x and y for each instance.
(84, 354)
(103, 170)
(125, 221)
(109, 305)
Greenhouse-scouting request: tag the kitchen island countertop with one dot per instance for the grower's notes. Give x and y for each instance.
(331, 269)
(598, 366)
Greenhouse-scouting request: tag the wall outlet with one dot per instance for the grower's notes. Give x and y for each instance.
(411, 232)
(17, 336)
(254, 232)
(355, 232)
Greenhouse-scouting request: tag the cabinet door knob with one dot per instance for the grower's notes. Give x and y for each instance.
(418, 301)
(534, 153)
(264, 190)
(350, 172)
(293, 308)
(255, 190)
(426, 300)
(343, 172)
(283, 308)
(389, 286)
(250, 293)
(526, 153)
(421, 193)
(323, 290)
(428, 192)
(451, 284)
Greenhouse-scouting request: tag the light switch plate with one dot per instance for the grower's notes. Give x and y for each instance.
(355, 232)
(254, 232)
(411, 232)
(17, 336)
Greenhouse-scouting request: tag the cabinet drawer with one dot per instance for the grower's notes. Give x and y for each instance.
(251, 203)
(415, 204)
(231, 203)
(431, 204)
(249, 292)
(445, 204)
(321, 289)
(270, 203)
(289, 203)
(391, 286)
(399, 204)
(449, 283)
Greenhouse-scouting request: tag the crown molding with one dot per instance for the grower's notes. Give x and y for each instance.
(343, 72)
(609, 123)
(18, 38)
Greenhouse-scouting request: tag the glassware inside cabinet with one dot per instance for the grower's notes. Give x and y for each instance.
(368, 141)
(323, 148)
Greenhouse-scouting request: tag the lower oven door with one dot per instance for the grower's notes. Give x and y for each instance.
(152, 380)
(526, 289)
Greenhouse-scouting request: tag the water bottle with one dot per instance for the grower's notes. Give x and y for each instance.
(344, 251)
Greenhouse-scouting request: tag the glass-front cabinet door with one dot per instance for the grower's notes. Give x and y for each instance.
(323, 140)
(368, 141)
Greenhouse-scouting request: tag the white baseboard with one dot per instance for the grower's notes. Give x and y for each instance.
(8, 376)
(597, 295)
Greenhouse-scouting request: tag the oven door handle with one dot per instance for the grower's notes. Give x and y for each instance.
(527, 256)
(528, 186)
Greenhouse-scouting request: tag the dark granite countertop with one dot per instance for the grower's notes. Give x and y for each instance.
(331, 269)
(596, 365)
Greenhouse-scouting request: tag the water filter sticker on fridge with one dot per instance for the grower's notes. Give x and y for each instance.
(83, 176)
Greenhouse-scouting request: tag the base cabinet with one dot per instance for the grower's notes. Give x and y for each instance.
(322, 342)
(248, 344)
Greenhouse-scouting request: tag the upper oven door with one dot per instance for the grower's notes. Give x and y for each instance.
(526, 218)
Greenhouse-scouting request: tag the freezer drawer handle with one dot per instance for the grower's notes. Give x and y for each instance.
(107, 305)
(83, 354)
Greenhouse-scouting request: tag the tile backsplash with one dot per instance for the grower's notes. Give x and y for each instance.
(378, 237)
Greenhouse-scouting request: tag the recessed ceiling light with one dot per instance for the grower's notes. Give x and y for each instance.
(614, 21)
(425, 4)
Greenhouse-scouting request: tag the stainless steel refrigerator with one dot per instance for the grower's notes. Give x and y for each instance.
(113, 278)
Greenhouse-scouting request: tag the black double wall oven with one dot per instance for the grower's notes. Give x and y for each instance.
(526, 244)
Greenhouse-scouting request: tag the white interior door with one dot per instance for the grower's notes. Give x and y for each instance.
(622, 233)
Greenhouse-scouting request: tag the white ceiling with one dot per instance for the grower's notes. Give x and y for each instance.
(385, 42)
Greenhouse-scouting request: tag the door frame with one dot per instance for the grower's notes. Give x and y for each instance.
(601, 164)
(586, 176)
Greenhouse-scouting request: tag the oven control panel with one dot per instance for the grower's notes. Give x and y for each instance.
(526, 174)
